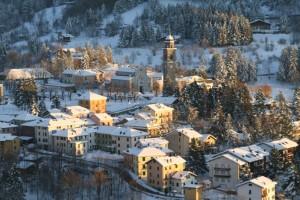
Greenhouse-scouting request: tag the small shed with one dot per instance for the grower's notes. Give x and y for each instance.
(260, 25)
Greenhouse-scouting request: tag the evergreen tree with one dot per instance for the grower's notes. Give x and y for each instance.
(276, 161)
(296, 103)
(85, 63)
(288, 68)
(259, 104)
(34, 108)
(56, 102)
(102, 57)
(109, 55)
(283, 118)
(196, 159)
(218, 68)
(43, 112)
(11, 187)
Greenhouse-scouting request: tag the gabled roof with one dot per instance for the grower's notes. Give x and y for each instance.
(145, 152)
(7, 137)
(260, 181)
(159, 106)
(92, 96)
(189, 132)
(7, 125)
(26, 117)
(158, 141)
(230, 157)
(120, 131)
(183, 174)
(281, 144)
(169, 160)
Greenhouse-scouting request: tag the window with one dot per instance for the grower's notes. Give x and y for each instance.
(250, 191)
(144, 158)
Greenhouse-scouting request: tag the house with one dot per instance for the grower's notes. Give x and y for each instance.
(82, 78)
(124, 80)
(149, 80)
(74, 142)
(43, 127)
(94, 102)
(157, 142)
(285, 146)
(9, 145)
(145, 125)
(296, 130)
(180, 179)
(117, 139)
(161, 169)
(227, 171)
(64, 37)
(78, 111)
(193, 192)
(260, 188)
(182, 82)
(260, 25)
(136, 159)
(102, 119)
(8, 128)
(181, 138)
(159, 114)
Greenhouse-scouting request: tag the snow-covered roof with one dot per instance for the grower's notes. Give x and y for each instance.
(204, 137)
(58, 122)
(102, 116)
(249, 154)
(25, 164)
(74, 110)
(14, 74)
(145, 152)
(123, 78)
(260, 181)
(126, 69)
(281, 144)
(189, 132)
(72, 132)
(230, 157)
(138, 123)
(92, 96)
(169, 37)
(183, 175)
(6, 118)
(120, 131)
(158, 141)
(163, 100)
(80, 72)
(26, 73)
(7, 125)
(169, 160)
(7, 137)
(159, 107)
(26, 117)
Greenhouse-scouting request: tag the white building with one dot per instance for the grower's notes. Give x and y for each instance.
(260, 188)
(78, 111)
(227, 171)
(181, 179)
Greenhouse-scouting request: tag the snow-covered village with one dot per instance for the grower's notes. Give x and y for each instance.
(149, 100)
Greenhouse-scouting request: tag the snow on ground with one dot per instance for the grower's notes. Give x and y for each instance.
(101, 155)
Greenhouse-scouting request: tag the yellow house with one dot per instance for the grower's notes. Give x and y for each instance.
(160, 171)
(159, 114)
(9, 144)
(193, 192)
(181, 138)
(136, 159)
(94, 102)
(102, 119)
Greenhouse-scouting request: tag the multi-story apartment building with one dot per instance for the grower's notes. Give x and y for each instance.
(9, 145)
(117, 139)
(82, 78)
(180, 179)
(136, 159)
(227, 171)
(43, 127)
(260, 188)
(75, 142)
(181, 138)
(159, 114)
(285, 146)
(161, 169)
(8, 128)
(94, 102)
(102, 119)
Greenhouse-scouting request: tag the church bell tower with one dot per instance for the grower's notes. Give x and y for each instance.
(169, 64)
